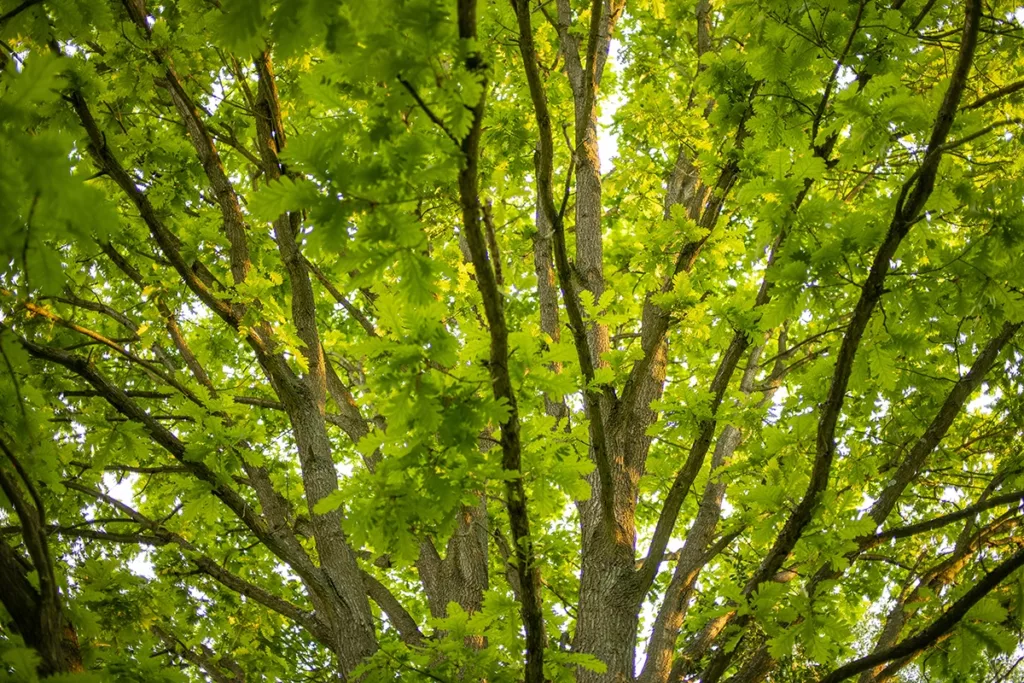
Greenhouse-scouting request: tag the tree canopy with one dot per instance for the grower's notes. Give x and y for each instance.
(496, 341)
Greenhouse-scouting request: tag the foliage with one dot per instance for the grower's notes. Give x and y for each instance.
(366, 341)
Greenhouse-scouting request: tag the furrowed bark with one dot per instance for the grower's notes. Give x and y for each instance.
(165, 240)
(607, 623)
(645, 383)
(547, 290)
(275, 508)
(276, 512)
(271, 139)
(315, 385)
(56, 644)
(460, 576)
(281, 542)
(195, 277)
(37, 613)
(305, 397)
(589, 240)
(694, 554)
(344, 589)
(704, 205)
(570, 298)
(608, 517)
(646, 379)
(759, 665)
(656, 322)
(685, 188)
(206, 150)
(611, 588)
(584, 79)
(397, 615)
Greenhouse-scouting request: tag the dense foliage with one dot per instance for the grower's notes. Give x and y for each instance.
(563, 340)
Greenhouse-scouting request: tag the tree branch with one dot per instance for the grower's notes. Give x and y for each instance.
(161, 535)
(501, 382)
(397, 615)
(999, 93)
(427, 110)
(1017, 497)
(938, 628)
(574, 312)
(912, 198)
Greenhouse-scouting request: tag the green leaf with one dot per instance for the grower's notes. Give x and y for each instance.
(37, 84)
(332, 501)
(281, 196)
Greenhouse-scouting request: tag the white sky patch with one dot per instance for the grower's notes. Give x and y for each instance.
(982, 404)
(727, 508)
(951, 495)
(142, 565)
(778, 401)
(881, 409)
(574, 402)
(845, 76)
(122, 487)
(216, 96)
(648, 613)
(674, 544)
(607, 136)
(285, 572)
(866, 502)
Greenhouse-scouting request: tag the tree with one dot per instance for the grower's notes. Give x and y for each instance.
(568, 341)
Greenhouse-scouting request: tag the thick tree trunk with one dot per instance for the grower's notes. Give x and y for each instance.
(461, 575)
(608, 608)
(41, 624)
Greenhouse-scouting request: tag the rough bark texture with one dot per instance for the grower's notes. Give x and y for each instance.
(37, 613)
(461, 575)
